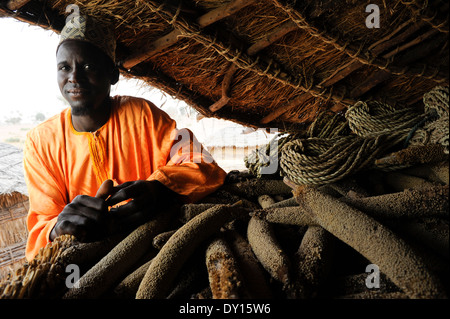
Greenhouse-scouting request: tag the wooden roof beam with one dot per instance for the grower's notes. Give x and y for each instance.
(171, 38)
(354, 51)
(252, 50)
(411, 56)
(268, 69)
(284, 108)
(376, 49)
(16, 4)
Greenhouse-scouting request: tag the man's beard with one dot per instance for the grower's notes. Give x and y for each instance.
(81, 110)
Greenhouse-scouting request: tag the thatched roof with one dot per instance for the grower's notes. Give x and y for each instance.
(270, 63)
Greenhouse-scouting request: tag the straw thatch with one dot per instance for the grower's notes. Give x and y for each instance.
(270, 63)
(13, 209)
(13, 231)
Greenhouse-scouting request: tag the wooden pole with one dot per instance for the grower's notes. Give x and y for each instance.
(284, 108)
(411, 56)
(269, 39)
(171, 38)
(377, 49)
(16, 4)
(252, 50)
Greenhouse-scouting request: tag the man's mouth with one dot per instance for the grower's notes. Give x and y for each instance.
(77, 92)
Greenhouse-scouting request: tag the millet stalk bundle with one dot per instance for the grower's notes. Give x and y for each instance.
(374, 241)
(180, 246)
(268, 251)
(119, 260)
(314, 260)
(253, 275)
(225, 279)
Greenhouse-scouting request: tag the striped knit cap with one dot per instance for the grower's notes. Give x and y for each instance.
(85, 28)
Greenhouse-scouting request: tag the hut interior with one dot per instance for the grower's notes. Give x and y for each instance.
(359, 92)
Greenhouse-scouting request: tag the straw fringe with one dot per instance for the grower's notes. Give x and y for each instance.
(330, 44)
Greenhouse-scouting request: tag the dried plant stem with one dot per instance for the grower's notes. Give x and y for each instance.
(16, 4)
(171, 38)
(252, 50)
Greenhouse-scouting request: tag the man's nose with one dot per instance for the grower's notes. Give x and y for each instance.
(75, 75)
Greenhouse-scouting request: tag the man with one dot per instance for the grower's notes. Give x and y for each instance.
(106, 162)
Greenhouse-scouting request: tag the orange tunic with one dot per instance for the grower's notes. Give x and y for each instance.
(137, 143)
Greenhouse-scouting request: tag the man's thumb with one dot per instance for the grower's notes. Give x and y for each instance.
(105, 189)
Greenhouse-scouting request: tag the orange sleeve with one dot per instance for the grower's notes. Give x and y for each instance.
(189, 169)
(46, 196)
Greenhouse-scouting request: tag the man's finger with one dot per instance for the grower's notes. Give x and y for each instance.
(124, 192)
(127, 209)
(85, 203)
(105, 189)
(67, 227)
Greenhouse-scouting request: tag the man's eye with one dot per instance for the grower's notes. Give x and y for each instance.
(89, 67)
(63, 68)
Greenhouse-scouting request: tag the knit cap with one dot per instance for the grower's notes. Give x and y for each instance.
(86, 28)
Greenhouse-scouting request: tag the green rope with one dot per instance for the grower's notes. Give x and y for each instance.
(327, 124)
(375, 129)
(375, 117)
(336, 146)
(436, 129)
(318, 161)
(262, 157)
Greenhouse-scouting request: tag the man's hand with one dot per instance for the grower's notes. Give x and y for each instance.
(85, 217)
(145, 197)
(88, 219)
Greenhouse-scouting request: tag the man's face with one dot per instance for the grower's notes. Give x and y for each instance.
(83, 75)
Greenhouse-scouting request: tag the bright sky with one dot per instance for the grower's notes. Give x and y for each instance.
(26, 84)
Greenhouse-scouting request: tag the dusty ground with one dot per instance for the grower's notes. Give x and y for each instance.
(14, 134)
